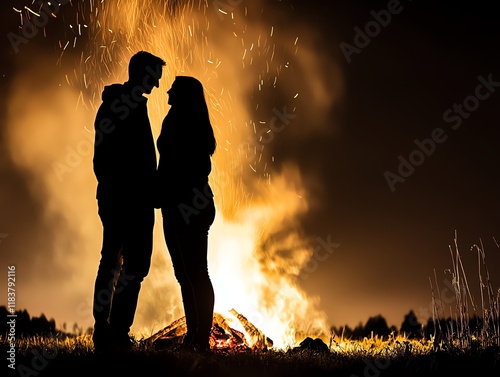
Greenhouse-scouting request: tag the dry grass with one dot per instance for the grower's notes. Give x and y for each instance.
(395, 356)
(465, 310)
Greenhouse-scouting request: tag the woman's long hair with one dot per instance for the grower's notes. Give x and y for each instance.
(191, 99)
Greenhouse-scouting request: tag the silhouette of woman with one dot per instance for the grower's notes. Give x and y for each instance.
(186, 144)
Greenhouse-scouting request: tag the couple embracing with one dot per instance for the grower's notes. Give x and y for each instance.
(130, 185)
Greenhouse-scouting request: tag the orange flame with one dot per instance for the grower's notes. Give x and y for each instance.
(231, 54)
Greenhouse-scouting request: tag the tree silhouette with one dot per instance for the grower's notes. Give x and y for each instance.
(411, 327)
(378, 326)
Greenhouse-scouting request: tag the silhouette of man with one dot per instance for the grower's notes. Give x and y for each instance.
(125, 168)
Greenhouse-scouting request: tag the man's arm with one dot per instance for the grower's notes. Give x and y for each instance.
(108, 149)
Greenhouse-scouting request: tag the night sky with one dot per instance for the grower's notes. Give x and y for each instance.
(433, 71)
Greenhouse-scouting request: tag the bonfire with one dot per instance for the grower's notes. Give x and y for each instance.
(222, 337)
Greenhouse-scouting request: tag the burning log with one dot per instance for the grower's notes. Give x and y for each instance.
(222, 336)
(259, 340)
(175, 330)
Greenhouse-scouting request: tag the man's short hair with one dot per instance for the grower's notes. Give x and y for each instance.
(139, 62)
